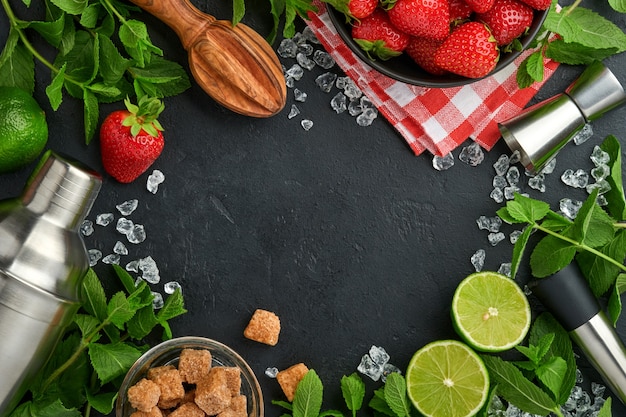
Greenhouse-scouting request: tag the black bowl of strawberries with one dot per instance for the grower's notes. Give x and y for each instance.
(438, 43)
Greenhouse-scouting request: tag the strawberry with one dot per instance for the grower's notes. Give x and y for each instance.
(470, 51)
(507, 19)
(376, 35)
(357, 9)
(131, 139)
(422, 51)
(538, 4)
(459, 11)
(424, 18)
(480, 6)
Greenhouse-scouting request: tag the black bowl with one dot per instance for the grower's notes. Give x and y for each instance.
(404, 69)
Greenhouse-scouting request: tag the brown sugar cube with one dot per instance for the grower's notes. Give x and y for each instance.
(232, 375)
(264, 327)
(153, 412)
(171, 384)
(238, 407)
(194, 364)
(289, 378)
(144, 395)
(188, 410)
(212, 393)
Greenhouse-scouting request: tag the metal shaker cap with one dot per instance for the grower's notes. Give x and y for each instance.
(63, 188)
(596, 91)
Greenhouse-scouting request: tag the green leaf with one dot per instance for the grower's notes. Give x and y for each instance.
(523, 76)
(353, 391)
(55, 90)
(615, 196)
(586, 27)
(395, 395)
(516, 389)
(528, 210)
(519, 249)
(618, 5)
(90, 114)
(173, 307)
(576, 54)
(284, 404)
(93, 298)
(239, 10)
(51, 31)
(600, 273)
(307, 401)
(551, 255)
(142, 323)
(551, 373)
(605, 411)
(379, 404)
(103, 403)
(54, 409)
(534, 66)
(119, 310)
(614, 306)
(592, 226)
(112, 63)
(18, 68)
(74, 7)
(112, 360)
(166, 77)
(89, 16)
(86, 323)
(126, 279)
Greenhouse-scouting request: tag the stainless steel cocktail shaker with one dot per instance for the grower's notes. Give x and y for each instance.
(43, 260)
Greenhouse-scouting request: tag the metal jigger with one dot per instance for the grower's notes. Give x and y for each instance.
(541, 130)
(568, 297)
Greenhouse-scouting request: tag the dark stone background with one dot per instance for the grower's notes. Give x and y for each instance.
(341, 230)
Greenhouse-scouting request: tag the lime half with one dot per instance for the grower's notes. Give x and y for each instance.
(447, 378)
(490, 312)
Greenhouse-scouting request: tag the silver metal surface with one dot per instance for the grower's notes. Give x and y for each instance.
(42, 262)
(605, 351)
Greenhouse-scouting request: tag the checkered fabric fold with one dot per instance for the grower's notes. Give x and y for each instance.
(433, 119)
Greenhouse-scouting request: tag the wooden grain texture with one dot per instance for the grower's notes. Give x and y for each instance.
(233, 64)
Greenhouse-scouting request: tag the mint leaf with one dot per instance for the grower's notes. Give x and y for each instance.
(86, 323)
(18, 68)
(51, 31)
(55, 90)
(119, 310)
(239, 10)
(173, 307)
(90, 114)
(600, 273)
(112, 63)
(93, 297)
(587, 28)
(592, 226)
(519, 249)
(395, 395)
(551, 255)
(614, 306)
(103, 403)
(379, 404)
(142, 323)
(552, 373)
(112, 360)
(527, 210)
(615, 196)
(576, 54)
(605, 411)
(307, 401)
(74, 7)
(517, 389)
(523, 76)
(353, 391)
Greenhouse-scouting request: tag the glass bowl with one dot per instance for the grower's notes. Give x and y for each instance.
(168, 352)
(404, 69)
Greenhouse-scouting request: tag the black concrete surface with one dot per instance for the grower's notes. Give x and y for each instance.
(351, 239)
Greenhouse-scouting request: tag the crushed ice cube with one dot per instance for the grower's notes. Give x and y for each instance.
(603, 187)
(104, 219)
(576, 179)
(442, 163)
(599, 157)
(304, 48)
(304, 61)
(287, 48)
(293, 112)
(367, 117)
(112, 259)
(583, 135)
(497, 195)
(389, 369)
(472, 154)
(295, 72)
(505, 269)
(171, 287)
(157, 300)
(300, 96)
(379, 355)
(154, 180)
(271, 372)
(339, 103)
(323, 59)
(495, 238)
(538, 182)
(499, 181)
(549, 167)
(501, 165)
(306, 124)
(351, 90)
(137, 235)
(569, 207)
(515, 157)
(120, 248)
(94, 256)
(124, 226)
(355, 107)
(509, 192)
(86, 227)
(310, 36)
(132, 266)
(600, 172)
(514, 235)
(478, 259)
(127, 207)
(370, 368)
(492, 224)
(513, 175)
(326, 81)
(149, 270)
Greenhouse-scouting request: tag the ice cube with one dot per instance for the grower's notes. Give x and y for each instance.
(442, 163)
(171, 287)
(304, 48)
(86, 228)
(599, 157)
(287, 48)
(549, 167)
(120, 248)
(298, 95)
(154, 180)
(295, 72)
(538, 182)
(339, 103)
(387, 370)
(149, 270)
(355, 107)
(370, 368)
(367, 117)
(157, 300)
(304, 61)
(495, 238)
(583, 135)
(326, 81)
(514, 235)
(472, 154)
(505, 269)
(478, 259)
(513, 175)
(569, 207)
(499, 182)
(501, 165)
(600, 172)
(492, 224)
(509, 192)
(271, 372)
(310, 36)
(323, 59)
(104, 219)
(379, 355)
(127, 207)
(603, 187)
(497, 195)
(124, 226)
(137, 234)
(112, 259)
(293, 112)
(132, 266)
(576, 179)
(306, 124)
(94, 256)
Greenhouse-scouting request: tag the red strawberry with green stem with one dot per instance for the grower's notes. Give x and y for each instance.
(423, 18)
(470, 51)
(378, 37)
(459, 11)
(508, 20)
(131, 139)
(422, 51)
(356, 9)
(480, 6)
(538, 4)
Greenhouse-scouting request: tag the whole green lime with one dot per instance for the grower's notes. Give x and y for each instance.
(23, 129)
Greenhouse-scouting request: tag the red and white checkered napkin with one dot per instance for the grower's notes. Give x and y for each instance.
(433, 119)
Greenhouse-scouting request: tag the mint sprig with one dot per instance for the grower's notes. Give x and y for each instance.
(97, 350)
(101, 55)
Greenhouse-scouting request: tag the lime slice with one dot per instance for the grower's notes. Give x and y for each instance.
(447, 379)
(490, 312)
